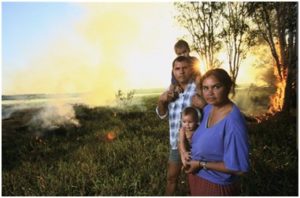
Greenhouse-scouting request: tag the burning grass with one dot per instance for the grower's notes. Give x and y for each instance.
(123, 153)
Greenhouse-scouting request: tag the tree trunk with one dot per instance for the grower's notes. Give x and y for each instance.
(290, 89)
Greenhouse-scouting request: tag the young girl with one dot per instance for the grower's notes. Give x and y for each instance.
(190, 120)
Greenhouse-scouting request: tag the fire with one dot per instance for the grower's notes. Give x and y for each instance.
(277, 99)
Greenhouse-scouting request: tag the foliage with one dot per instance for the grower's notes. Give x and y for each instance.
(201, 21)
(274, 23)
(277, 24)
(236, 34)
(274, 158)
(214, 26)
(85, 161)
(124, 99)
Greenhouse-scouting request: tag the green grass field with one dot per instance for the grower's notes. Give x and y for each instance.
(83, 160)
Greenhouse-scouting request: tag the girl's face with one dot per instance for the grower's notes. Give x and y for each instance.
(182, 51)
(189, 123)
(214, 92)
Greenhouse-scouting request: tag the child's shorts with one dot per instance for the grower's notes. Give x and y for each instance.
(174, 156)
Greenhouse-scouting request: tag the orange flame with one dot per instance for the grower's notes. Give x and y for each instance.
(277, 99)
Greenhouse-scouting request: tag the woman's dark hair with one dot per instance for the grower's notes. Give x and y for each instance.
(221, 75)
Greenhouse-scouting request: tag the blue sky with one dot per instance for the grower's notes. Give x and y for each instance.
(25, 25)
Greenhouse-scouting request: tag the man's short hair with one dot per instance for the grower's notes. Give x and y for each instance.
(182, 59)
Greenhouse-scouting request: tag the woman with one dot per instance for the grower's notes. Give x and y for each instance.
(220, 144)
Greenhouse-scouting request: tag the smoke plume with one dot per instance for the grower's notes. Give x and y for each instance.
(54, 116)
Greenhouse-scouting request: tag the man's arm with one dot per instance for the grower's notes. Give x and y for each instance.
(163, 102)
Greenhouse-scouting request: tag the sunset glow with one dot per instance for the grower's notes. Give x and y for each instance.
(91, 48)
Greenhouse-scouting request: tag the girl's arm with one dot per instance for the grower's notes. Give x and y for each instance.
(184, 154)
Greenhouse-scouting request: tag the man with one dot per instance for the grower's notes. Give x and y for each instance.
(182, 48)
(167, 105)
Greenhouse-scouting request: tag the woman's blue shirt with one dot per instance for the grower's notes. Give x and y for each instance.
(225, 141)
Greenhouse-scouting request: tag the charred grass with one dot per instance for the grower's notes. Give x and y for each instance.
(85, 160)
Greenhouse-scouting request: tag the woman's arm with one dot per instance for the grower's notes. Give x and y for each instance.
(195, 166)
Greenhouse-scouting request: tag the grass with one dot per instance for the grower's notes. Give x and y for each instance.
(76, 161)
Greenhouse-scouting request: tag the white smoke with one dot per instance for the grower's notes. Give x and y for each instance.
(53, 116)
(8, 110)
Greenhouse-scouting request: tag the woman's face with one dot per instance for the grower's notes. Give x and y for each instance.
(214, 92)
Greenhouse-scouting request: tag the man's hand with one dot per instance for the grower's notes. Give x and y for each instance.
(166, 97)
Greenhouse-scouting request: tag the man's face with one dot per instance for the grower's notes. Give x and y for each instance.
(182, 72)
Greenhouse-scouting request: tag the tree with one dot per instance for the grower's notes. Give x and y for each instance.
(213, 25)
(200, 19)
(236, 35)
(277, 24)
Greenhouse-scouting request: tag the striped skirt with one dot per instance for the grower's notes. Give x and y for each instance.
(202, 187)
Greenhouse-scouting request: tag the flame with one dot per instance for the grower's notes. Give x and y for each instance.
(277, 99)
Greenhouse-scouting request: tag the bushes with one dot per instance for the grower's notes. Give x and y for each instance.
(274, 158)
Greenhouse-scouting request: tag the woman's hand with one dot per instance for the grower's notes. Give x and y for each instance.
(193, 166)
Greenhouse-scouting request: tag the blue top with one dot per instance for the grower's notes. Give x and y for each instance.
(225, 141)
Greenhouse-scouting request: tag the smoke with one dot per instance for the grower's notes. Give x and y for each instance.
(54, 116)
(7, 111)
(43, 117)
(96, 55)
(86, 59)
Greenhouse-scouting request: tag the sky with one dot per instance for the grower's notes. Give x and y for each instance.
(96, 48)
(80, 47)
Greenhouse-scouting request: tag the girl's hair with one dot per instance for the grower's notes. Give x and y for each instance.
(195, 113)
(182, 44)
(221, 75)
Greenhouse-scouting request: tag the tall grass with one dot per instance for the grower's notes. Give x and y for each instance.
(74, 161)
